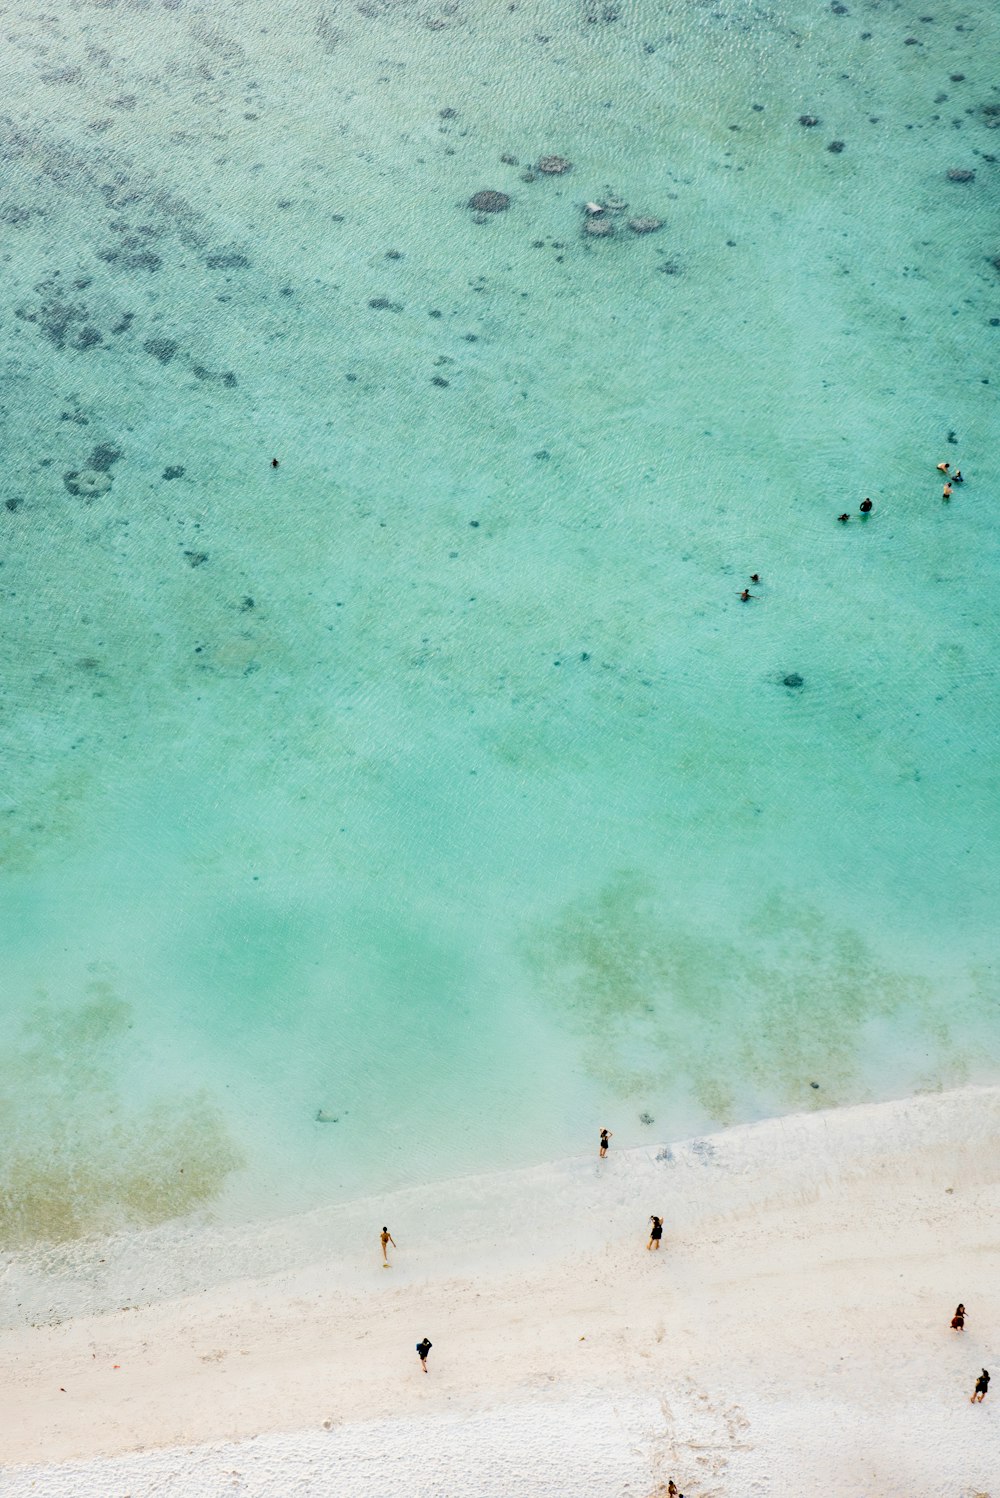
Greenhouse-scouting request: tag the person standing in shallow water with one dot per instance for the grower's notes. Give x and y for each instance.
(958, 1320)
(866, 507)
(656, 1232)
(605, 1136)
(387, 1238)
(981, 1389)
(423, 1348)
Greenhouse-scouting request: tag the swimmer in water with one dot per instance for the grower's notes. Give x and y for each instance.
(956, 477)
(755, 577)
(943, 467)
(746, 596)
(844, 518)
(946, 492)
(866, 506)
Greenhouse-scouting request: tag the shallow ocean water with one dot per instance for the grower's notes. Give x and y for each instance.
(438, 780)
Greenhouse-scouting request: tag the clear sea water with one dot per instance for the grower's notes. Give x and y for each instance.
(437, 780)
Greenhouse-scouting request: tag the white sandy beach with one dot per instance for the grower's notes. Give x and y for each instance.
(791, 1338)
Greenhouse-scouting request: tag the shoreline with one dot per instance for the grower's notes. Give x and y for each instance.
(809, 1271)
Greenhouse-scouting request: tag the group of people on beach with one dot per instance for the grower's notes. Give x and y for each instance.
(983, 1381)
(655, 1238)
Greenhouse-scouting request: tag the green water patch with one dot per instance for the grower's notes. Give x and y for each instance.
(657, 1001)
(81, 1157)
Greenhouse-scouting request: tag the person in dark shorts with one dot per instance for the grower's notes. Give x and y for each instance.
(423, 1348)
(982, 1386)
(605, 1136)
(656, 1232)
(958, 1320)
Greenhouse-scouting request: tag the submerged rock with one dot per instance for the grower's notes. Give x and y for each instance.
(554, 166)
(163, 349)
(809, 120)
(488, 200)
(599, 228)
(104, 456)
(227, 260)
(793, 680)
(645, 225)
(87, 483)
(960, 174)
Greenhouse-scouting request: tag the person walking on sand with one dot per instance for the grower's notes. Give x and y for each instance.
(387, 1238)
(605, 1136)
(958, 1320)
(656, 1232)
(982, 1386)
(423, 1348)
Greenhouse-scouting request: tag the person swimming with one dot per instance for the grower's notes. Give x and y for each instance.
(946, 492)
(746, 596)
(866, 506)
(943, 467)
(844, 518)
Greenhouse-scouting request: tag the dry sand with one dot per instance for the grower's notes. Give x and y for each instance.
(791, 1337)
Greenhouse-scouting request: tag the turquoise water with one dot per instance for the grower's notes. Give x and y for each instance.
(438, 779)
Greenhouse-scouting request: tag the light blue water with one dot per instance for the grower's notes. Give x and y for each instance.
(438, 779)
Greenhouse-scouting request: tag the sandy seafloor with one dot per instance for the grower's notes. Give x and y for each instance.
(437, 779)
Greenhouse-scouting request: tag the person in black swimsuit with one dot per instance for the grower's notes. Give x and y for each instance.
(656, 1232)
(866, 507)
(423, 1348)
(982, 1385)
(605, 1136)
